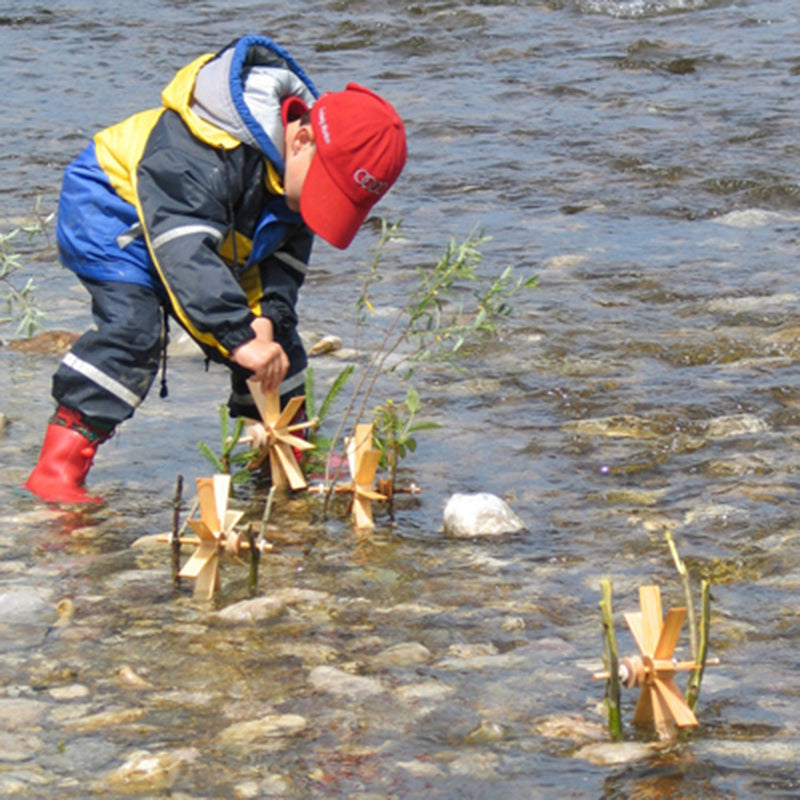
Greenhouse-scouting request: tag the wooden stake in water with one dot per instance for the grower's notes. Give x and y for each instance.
(611, 663)
(175, 536)
(696, 677)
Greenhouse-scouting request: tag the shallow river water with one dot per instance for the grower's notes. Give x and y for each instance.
(639, 156)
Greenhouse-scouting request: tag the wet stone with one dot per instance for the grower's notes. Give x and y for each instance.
(148, 772)
(487, 731)
(19, 714)
(24, 781)
(401, 655)
(605, 754)
(257, 609)
(16, 747)
(428, 691)
(27, 606)
(73, 691)
(337, 682)
(481, 514)
(104, 719)
(272, 726)
(735, 425)
(571, 726)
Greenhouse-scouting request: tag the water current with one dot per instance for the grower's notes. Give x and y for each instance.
(639, 156)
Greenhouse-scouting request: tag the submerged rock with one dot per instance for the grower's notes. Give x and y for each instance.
(148, 772)
(487, 731)
(481, 514)
(257, 609)
(401, 655)
(45, 343)
(605, 754)
(338, 682)
(272, 726)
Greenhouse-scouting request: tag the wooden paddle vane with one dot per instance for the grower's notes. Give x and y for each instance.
(660, 701)
(274, 437)
(363, 463)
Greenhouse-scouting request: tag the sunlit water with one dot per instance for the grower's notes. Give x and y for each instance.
(640, 157)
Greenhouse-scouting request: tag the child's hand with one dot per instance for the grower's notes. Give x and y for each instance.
(264, 357)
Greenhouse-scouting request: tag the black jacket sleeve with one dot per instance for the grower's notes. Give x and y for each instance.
(186, 191)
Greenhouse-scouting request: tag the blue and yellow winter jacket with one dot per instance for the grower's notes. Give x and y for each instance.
(188, 199)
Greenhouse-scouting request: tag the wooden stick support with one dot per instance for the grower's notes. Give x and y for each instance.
(610, 660)
(176, 542)
(696, 678)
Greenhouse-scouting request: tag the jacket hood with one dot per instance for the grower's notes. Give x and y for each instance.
(235, 96)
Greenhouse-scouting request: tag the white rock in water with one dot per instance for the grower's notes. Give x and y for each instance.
(481, 514)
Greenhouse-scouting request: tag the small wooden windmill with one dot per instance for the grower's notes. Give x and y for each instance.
(363, 463)
(213, 529)
(660, 701)
(274, 437)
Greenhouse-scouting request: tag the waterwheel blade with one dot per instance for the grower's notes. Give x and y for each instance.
(652, 616)
(670, 632)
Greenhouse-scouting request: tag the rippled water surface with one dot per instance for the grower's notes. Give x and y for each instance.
(640, 157)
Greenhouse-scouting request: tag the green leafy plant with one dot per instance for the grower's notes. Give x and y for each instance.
(228, 440)
(451, 306)
(18, 292)
(317, 460)
(394, 431)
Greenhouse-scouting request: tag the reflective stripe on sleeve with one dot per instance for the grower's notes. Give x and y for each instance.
(290, 261)
(99, 377)
(185, 230)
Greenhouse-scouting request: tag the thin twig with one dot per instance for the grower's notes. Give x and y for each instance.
(687, 590)
(696, 677)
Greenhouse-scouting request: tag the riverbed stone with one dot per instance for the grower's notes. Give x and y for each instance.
(272, 726)
(481, 514)
(26, 607)
(254, 610)
(343, 684)
(72, 691)
(731, 425)
(401, 655)
(571, 726)
(148, 772)
(607, 754)
(425, 692)
(104, 719)
(16, 747)
(20, 714)
(487, 731)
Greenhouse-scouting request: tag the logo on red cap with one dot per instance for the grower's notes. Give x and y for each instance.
(369, 182)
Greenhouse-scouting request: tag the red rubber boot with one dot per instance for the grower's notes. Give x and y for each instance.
(67, 452)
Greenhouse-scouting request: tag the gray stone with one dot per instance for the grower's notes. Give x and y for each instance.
(148, 772)
(338, 682)
(607, 754)
(258, 609)
(270, 727)
(482, 514)
(401, 655)
(26, 606)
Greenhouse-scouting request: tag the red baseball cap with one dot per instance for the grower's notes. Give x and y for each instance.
(361, 150)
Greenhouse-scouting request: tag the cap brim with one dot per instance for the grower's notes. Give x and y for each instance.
(327, 210)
